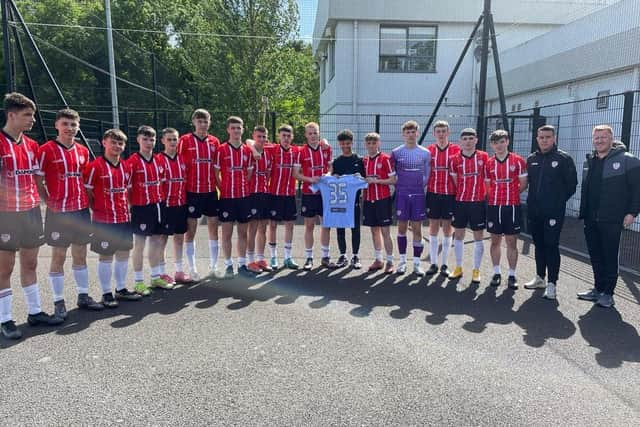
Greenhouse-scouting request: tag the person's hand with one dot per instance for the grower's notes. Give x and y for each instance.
(315, 179)
(628, 220)
(257, 155)
(371, 180)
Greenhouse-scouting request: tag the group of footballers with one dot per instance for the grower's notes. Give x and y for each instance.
(115, 205)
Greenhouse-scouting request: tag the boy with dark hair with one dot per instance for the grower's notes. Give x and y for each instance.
(233, 165)
(506, 178)
(441, 193)
(198, 150)
(108, 180)
(68, 220)
(20, 217)
(145, 198)
(378, 209)
(174, 206)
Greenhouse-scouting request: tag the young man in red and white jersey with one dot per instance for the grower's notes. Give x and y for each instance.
(174, 206)
(313, 162)
(198, 150)
(260, 212)
(441, 192)
(234, 165)
(470, 209)
(108, 180)
(20, 217)
(377, 205)
(68, 220)
(145, 198)
(506, 178)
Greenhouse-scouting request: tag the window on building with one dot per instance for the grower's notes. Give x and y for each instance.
(407, 49)
(602, 101)
(332, 59)
(323, 74)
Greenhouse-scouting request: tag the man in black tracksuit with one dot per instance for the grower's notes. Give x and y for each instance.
(552, 181)
(610, 201)
(348, 163)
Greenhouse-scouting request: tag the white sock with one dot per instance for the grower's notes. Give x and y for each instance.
(273, 250)
(179, 266)
(32, 297)
(287, 250)
(512, 272)
(242, 261)
(446, 244)
(104, 276)
(6, 304)
(155, 272)
(389, 257)
(213, 253)
(308, 252)
(433, 249)
(325, 251)
(56, 280)
(138, 276)
(416, 261)
(458, 249)
(250, 256)
(403, 258)
(190, 252)
(81, 274)
(478, 251)
(496, 269)
(378, 255)
(260, 257)
(162, 268)
(228, 262)
(120, 274)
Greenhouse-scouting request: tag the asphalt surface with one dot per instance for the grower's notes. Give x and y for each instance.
(337, 347)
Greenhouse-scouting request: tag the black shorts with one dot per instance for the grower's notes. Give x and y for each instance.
(378, 213)
(259, 206)
(20, 230)
(61, 229)
(109, 238)
(282, 208)
(235, 210)
(146, 220)
(470, 214)
(311, 205)
(440, 206)
(174, 220)
(199, 204)
(504, 219)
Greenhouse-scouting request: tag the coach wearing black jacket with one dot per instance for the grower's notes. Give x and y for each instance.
(610, 200)
(552, 181)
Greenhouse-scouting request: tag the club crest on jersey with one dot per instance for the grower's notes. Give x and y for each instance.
(552, 222)
(512, 168)
(554, 164)
(143, 227)
(225, 214)
(490, 224)
(104, 245)
(616, 166)
(379, 166)
(480, 162)
(192, 209)
(81, 159)
(161, 169)
(5, 238)
(183, 167)
(273, 213)
(254, 211)
(55, 235)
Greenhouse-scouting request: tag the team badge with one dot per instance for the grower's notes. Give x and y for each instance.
(104, 245)
(616, 166)
(379, 166)
(161, 169)
(192, 209)
(428, 210)
(552, 222)
(254, 211)
(398, 212)
(554, 164)
(55, 235)
(183, 167)
(5, 238)
(512, 168)
(480, 162)
(225, 214)
(273, 213)
(490, 224)
(81, 159)
(304, 209)
(143, 227)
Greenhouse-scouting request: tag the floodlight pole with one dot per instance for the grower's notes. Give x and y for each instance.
(112, 66)
(7, 47)
(484, 62)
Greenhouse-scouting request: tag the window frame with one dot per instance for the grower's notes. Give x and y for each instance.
(406, 56)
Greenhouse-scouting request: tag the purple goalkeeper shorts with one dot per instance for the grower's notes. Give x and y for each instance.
(410, 207)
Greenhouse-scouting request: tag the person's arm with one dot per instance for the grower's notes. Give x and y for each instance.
(427, 171)
(252, 145)
(570, 177)
(42, 188)
(633, 183)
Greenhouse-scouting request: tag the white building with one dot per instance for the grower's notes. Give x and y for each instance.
(394, 57)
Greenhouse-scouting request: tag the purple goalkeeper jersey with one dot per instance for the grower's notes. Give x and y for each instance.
(412, 168)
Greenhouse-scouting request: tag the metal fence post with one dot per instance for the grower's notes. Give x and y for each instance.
(537, 120)
(377, 123)
(273, 126)
(627, 119)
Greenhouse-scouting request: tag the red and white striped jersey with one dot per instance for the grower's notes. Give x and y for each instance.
(313, 162)
(174, 180)
(146, 180)
(378, 166)
(199, 156)
(62, 169)
(261, 170)
(503, 178)
(234, 164)
(470, 174)
(439, 180)
(18, 165)
(110, 184)
(282, 182)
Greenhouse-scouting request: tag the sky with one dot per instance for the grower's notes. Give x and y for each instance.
(307, 9)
